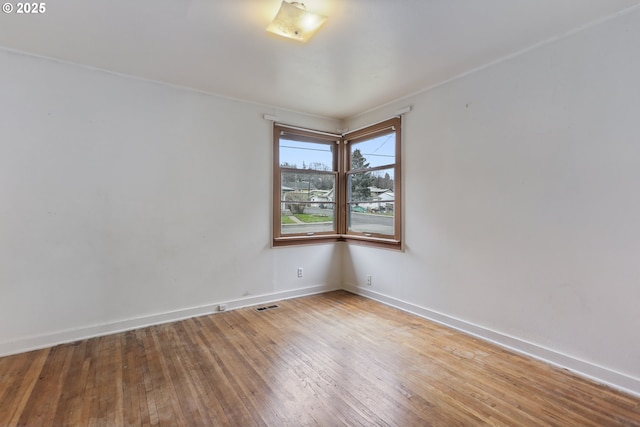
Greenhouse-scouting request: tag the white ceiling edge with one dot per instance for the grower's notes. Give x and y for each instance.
(538, 45)
(165, 84)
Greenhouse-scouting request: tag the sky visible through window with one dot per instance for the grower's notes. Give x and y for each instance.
(377, 152)
(302, 155)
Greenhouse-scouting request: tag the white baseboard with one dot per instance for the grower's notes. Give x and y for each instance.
(617, 380)
(595, 372)
(49, 340)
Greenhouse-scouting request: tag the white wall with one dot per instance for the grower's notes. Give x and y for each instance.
(523, 204)
(125, 202)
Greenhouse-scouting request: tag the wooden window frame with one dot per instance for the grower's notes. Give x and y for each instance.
(341, 160)
(379, 129)
(311, 136)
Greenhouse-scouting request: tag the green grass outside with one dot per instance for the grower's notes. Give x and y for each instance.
(306, 218)
(313, 218)
(286, 220)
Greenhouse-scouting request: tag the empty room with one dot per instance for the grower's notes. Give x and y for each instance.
(336, 213)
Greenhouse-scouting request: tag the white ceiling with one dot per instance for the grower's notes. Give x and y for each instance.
(369, 52)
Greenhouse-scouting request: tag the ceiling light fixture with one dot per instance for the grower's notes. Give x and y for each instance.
(294, 22)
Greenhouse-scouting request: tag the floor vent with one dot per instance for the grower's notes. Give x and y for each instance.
(267, 307)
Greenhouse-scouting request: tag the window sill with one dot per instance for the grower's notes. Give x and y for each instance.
(330, 238)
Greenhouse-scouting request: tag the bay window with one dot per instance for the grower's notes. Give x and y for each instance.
(330, 187)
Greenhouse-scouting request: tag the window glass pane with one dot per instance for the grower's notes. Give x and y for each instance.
(382, 181)
(372, 217)
(371, 185)
(360, 187)
(314, 185)
(307, 218)
(371, 153)
(306, 155)
(307, 202)
(371, 202)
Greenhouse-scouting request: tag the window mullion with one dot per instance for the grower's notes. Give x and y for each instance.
(341, 198)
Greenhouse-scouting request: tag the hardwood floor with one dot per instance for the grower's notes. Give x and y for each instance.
(332, 359)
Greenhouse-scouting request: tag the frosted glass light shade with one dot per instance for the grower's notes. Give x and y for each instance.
(294, 22)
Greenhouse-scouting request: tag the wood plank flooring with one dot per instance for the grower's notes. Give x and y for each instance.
(330, 360)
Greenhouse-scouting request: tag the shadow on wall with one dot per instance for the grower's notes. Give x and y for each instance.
(348, 269)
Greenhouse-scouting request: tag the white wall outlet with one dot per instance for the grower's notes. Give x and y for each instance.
(222, 307)
(300, 272)
(369, 280)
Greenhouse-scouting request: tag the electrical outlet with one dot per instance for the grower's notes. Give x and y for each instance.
(369, 280)
(222, 307)
(300, 272)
